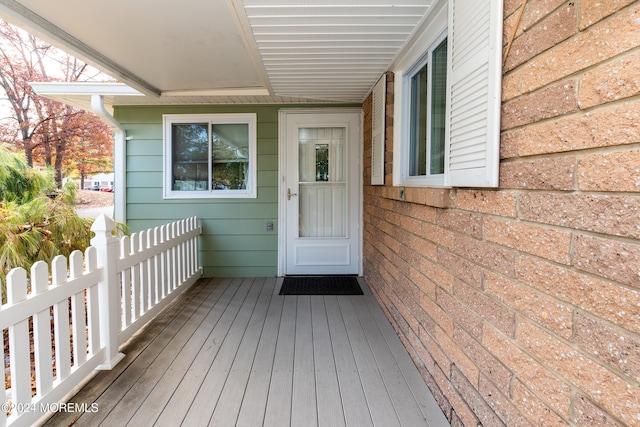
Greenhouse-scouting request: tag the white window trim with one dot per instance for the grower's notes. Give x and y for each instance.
(244, 118)
(434, 29)
(431, 180)
(474, 78)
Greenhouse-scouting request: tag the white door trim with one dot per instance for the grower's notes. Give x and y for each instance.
(282, 188)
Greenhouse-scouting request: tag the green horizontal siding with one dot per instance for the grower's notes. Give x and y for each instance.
(148, 163)
(239, 258)
(235, 227)
(235, 240)
(245, 271)
(144, 180)
(254, 242)
(174, 209)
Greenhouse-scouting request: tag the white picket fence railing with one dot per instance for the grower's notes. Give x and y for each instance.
(73, 321)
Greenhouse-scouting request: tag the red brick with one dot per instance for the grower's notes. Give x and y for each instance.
(464, 270)
(608, 38)
(432, 197)
(613, 259)
(486, 307)
(608, 214)
(414, 195)
(501, 203)
(593, 11)
(408, 224)
(423, 213)
(423, 282)
(472, 397)
(618, 171)
(442, 362)
(511, 6)
(460, 314)
(457, 422)
(409, 256)
(459, 406)
(433, 316)
(617, 348)
(438, 235)
(458, 356)
(484, 360)
(592, 129)
(587, 413)
(546, 311)
(534, 408)
(462, 222)
(487, 254)
(511, 83)
(602, 298)
(437, 274)
(538, 10)
(404, 311)
(610, 391)
(542, 35)
(401, 326)
(509, 145)
(542, 381)
(552, 101)
(435, 390)
(544, 242)
(437, 197)
(423, 247)
(500, 403)
(408, 292)
(540, 174)
(424, 359)
(609, 82)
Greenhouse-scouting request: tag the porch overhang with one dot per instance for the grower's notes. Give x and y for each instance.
(229, 52)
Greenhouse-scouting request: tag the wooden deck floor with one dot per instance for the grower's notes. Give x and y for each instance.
(232, 352)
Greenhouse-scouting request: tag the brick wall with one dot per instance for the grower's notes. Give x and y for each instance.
(521, 305)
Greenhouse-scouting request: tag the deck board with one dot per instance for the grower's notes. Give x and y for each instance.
(402, 398)
(329, 402)
(228, 407)
(154, 373)
(208, 396)
(354, 400)
(234, 352)
(378, 399)
(254, 403)
(303, 399)
(278, 410)
(155, 402)
(112, 399)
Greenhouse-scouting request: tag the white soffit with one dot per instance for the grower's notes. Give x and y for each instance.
(228, 51)
(326, 50)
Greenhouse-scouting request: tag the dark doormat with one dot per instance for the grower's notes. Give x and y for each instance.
(320, 285)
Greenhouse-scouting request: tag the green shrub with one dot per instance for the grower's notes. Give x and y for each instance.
(37, 222)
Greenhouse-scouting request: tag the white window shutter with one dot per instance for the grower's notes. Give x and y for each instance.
(378, 131)
(475, 51)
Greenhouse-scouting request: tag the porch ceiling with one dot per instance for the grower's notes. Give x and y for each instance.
(226, 51)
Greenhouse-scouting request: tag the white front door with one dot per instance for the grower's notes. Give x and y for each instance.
(320, 192)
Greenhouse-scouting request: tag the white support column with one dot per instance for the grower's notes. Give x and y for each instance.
(109, 289)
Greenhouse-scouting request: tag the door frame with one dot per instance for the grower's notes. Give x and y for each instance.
(282, 187)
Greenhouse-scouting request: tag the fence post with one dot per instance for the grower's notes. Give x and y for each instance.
(108, 289)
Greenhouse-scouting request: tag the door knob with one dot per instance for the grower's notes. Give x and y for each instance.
(289, 194)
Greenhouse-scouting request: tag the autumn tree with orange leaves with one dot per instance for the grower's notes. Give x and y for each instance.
(49, 132)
